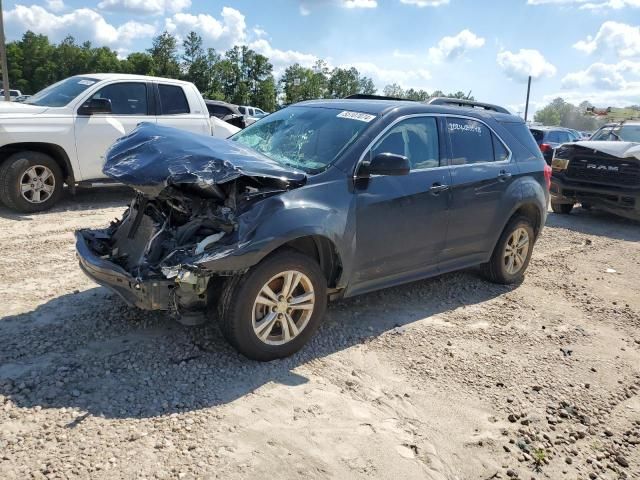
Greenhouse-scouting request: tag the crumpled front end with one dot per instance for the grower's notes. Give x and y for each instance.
(196, 198)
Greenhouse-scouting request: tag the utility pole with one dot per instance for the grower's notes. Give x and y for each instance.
(526, 107)
(3, 53)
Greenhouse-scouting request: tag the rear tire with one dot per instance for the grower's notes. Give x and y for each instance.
(30, 182)
(264, 318)
(512, 253)
(561, 208)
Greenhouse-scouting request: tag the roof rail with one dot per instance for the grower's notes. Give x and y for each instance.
(365, 96)
(459, 102)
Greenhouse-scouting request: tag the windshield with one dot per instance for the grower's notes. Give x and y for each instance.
(61, 93)
(628, 133)
(307, 138)
(624, 133)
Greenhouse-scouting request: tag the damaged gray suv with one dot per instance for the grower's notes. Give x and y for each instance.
(319, 201)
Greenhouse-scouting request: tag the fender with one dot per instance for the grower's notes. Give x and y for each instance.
(531, 194)
(279, 220)
(56, 152)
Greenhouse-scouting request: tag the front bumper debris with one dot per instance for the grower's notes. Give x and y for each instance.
(620, 201)
(147, 294)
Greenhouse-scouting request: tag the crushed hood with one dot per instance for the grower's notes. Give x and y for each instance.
(616, 149)
(153, 157)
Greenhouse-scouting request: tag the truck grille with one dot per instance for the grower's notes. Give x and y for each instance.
(603, 170)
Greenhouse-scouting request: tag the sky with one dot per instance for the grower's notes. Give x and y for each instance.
(576, 49)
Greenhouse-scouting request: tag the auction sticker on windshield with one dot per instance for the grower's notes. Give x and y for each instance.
(363, 117)
(86, 82)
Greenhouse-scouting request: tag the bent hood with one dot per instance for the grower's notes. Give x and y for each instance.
(153, 157)
(615, 149)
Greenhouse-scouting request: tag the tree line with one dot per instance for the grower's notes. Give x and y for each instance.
(565, 114)
(240, 75)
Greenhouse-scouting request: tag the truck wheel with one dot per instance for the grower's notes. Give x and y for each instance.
(512, 254)
(30, 182)
(271, 311)
(562, 208)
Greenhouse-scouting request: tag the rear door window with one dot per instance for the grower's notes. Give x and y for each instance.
(471, 141)
(500, 152)
(173, 101)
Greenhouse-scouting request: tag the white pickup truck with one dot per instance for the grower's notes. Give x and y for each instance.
(61, 134)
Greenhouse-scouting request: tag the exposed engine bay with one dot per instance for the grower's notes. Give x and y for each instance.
(194, 196)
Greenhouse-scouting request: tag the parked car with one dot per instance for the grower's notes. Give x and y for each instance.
(13, 94)
(21, 98)
(585, 135)
(321, 200)
(574, 134)
(252, 114)
(548, 138)
(226, 112)
(60, 135)
(628, 131)
(603, 172)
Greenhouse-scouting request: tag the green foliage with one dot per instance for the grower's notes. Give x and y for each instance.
(138, 63)
(164, 53)
(194, 62)
(539, 458)
(564, 114)
(396, 91)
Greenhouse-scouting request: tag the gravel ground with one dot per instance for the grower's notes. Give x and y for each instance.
(450, 378)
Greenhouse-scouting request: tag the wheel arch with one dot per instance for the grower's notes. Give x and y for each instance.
(531, 211)
(321, 249)
(56, 152)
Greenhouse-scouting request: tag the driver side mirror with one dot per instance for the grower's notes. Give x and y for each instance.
(95, 105)
(389, 164)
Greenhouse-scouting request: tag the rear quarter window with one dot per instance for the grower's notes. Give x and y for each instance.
(527, 138)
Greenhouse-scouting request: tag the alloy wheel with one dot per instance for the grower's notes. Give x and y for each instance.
(37, 184)
(516, 251)
(283, 307)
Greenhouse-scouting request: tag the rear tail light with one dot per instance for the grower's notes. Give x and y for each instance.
(547, 176)
(545, 148)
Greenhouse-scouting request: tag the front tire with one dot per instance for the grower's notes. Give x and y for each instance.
(561, 208)
(271, 311)
(30, 182)
(512, 254)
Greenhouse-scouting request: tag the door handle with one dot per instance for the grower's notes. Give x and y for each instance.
(436, 188)
(504, 175)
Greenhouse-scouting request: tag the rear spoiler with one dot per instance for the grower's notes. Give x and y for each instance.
(459, 102)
